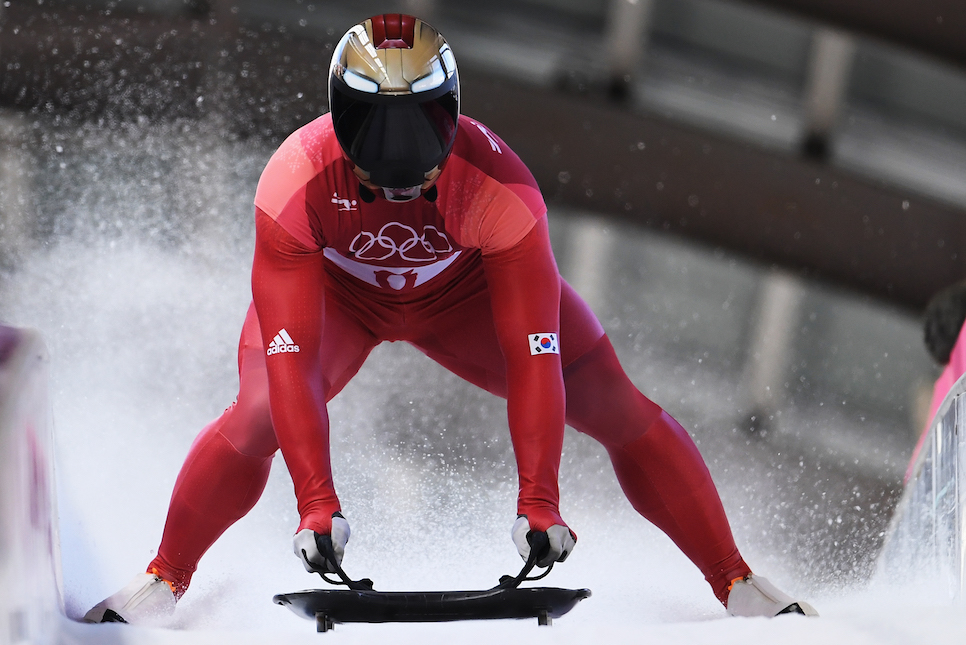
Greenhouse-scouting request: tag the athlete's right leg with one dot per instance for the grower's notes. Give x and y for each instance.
(224, 473)
(228, 464)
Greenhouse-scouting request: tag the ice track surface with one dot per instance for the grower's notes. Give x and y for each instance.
(140, 293)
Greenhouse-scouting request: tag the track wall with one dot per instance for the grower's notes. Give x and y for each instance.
(925, 540)
(30, 593)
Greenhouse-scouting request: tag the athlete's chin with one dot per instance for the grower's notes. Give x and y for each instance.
(402, 194)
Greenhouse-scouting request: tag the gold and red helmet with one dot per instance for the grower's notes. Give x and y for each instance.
(394, 99)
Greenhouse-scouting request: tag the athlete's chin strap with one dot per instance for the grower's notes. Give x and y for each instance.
(367, 195)
(539, 545)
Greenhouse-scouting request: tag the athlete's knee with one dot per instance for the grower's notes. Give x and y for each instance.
(247, 425)
(602, 402)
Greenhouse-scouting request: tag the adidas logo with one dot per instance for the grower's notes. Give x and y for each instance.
(282, 344)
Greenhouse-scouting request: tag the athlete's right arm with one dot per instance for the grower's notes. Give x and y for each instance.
(289, 294)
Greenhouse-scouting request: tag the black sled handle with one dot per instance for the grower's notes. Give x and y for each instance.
(324, 542)
(539, 547)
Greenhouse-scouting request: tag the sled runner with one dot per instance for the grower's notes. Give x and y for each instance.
(360, 603)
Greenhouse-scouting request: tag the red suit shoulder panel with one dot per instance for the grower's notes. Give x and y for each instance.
(487, 194)
(281, 191)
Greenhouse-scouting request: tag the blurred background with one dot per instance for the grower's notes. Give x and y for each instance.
(757, 198)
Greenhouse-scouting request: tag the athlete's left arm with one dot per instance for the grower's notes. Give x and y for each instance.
(524, 289)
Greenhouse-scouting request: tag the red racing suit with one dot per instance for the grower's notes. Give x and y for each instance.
(469, 279)
(312, 223)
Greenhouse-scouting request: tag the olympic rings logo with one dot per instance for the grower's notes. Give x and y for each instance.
(395, 238)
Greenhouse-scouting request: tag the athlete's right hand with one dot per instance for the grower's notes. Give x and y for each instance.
(560, 542)
(307, 547)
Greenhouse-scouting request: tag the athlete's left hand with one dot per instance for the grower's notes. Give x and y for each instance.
(562, 541)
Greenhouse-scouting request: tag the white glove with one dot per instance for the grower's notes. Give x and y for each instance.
(307, 547)
(561, 542)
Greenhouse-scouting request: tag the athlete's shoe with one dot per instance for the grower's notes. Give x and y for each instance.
(145, 599)
(755, 596)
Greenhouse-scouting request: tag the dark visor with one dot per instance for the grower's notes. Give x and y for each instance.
(396, 139)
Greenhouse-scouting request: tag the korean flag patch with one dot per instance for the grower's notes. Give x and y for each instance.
(545, 343)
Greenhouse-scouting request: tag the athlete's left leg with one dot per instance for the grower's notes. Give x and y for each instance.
(656, 462)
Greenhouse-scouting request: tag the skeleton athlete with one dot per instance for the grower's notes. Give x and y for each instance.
(394, 218)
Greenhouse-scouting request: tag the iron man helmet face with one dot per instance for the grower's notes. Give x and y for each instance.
(394, 99)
